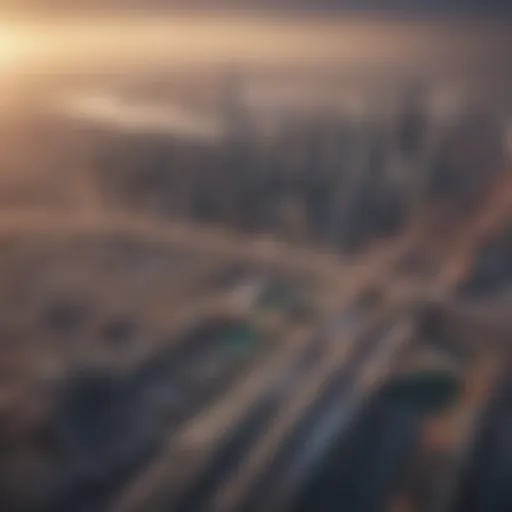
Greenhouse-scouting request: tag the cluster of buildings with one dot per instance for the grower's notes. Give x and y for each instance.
(320, 176)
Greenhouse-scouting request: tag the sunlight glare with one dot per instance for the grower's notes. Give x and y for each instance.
(10, 50)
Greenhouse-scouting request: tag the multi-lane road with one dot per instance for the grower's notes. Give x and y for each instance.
(255, 440)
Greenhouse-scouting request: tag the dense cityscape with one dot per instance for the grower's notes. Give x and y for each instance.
(227, 296)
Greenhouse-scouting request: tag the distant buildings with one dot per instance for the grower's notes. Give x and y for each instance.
(321, 176)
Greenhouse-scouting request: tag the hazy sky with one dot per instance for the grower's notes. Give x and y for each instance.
(405, 6)
(87, 35)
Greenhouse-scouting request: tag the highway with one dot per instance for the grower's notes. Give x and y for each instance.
(286, 399)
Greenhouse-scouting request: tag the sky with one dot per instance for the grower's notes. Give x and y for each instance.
(147, 35)
(379, 6)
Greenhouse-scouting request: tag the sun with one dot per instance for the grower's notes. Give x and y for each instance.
(10, 50)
